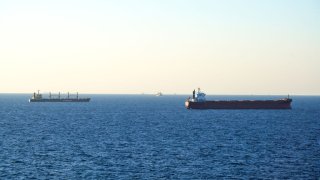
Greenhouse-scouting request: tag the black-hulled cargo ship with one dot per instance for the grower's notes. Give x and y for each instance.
(199, 101)
(37, 97)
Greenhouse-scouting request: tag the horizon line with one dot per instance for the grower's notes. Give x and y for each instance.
(172, 94)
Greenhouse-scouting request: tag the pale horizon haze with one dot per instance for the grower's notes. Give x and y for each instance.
(267, 47)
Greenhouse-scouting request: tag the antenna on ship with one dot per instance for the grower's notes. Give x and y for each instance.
(68, 95)
(77, 95)
(38, 92)
(59, 95)
(50, 95)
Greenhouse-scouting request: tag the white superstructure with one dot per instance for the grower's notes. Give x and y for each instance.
(198, 97)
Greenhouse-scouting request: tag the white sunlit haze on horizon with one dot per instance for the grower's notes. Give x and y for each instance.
(172, 46)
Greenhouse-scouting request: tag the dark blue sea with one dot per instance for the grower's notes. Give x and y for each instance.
(149, 137)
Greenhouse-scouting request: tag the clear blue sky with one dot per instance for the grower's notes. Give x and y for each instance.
(173, 46)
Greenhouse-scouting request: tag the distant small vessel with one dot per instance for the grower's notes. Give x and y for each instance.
(159, 94)
(199, 101)
(37, 97)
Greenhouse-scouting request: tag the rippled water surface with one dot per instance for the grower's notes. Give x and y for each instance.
(148, 137)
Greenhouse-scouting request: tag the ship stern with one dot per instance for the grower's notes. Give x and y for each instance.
(187, 104)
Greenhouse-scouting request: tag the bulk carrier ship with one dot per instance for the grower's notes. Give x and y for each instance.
(199, 101)
(37, 97)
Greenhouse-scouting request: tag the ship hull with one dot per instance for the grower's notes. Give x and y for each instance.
(246, 104)
(60, 100)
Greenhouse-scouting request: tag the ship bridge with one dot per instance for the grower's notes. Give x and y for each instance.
(199, 96)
